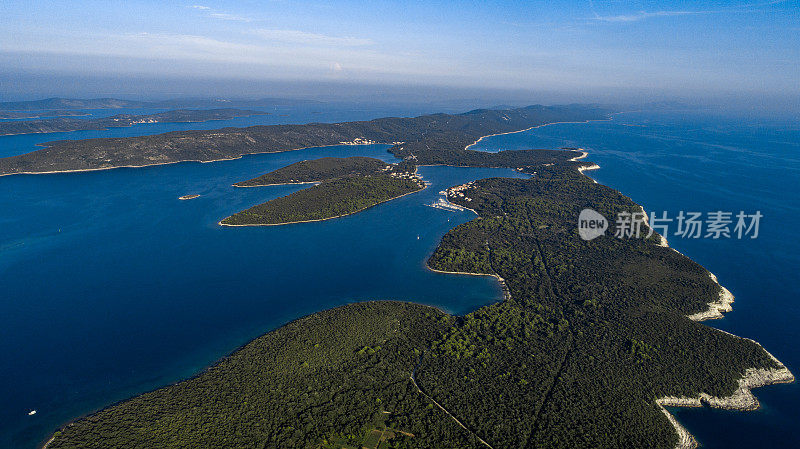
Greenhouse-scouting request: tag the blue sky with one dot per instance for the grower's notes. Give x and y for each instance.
(581, 46)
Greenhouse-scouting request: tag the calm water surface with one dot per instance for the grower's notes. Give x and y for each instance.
(707, 162)
(111, 286)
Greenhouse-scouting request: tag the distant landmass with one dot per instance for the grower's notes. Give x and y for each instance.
(40, 114)
(424, 140)
(592, 340)
(122, 120)
(115, 103)
(70, 103)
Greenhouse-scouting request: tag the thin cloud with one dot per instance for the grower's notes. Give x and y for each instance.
(642, 15)
(214, 14)
(305, 38)
(325, 59)
(230, 17)
(755, 5)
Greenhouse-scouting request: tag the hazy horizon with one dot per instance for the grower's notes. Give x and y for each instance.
(741, 54)
(29, 87)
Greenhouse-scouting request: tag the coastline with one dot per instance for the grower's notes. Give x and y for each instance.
(500, 280)
(584, 168)
(41, 117)
(610, 117)
(69, 423)
(583, 154)
(220, 223)
(52, 438)
(715, 308)
(169, 162)
(742, 399)
(277, 184)
(685, 439)
(106, 128)
(662, 242)
(447, 200)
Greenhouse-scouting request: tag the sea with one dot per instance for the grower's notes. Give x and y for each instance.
(110, 286)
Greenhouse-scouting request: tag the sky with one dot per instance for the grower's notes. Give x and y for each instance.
(578, 49)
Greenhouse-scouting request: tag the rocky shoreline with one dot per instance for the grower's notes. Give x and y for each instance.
(742, 398)
(717, 308)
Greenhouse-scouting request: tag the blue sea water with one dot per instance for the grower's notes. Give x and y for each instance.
(705, 162)
(110, 286)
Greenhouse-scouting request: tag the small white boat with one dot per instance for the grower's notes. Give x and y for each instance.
(32, 412)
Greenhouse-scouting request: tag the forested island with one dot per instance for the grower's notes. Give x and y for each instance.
(428, 139)
(321, 169)
(592, 340)
(40, 114)
(62, 124)
(346, 186)
(67, 104)
(71, 103)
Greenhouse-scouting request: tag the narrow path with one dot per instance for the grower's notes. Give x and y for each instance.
(549, 393)
(554, 294)
(551, 286)
(419, 390)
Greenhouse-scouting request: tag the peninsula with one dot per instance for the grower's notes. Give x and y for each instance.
(591, 341)
(61, 124)
(425, 140)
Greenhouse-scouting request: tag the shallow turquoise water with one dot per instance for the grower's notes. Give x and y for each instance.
(111, 286)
